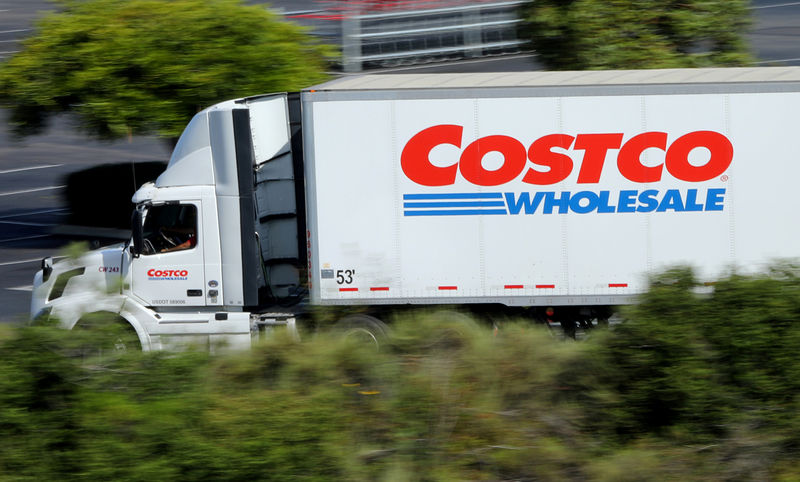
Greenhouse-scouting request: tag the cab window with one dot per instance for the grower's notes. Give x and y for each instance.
(169, 227)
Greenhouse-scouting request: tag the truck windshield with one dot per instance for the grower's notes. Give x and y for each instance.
(169, 227)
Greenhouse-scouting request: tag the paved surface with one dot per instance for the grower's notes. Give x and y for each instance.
(775, 36)
(32, 171)
(31, 185)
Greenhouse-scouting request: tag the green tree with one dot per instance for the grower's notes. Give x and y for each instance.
(636, 34)
(146, 66)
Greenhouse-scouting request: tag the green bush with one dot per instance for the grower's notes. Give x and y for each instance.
(694, 384)
(641, 34)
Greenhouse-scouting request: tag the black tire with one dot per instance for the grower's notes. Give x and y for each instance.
(449, 330)
(103, 338)
(362, 328)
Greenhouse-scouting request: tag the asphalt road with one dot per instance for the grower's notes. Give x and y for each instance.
(31, 186)
(775, 36)
(32, 170)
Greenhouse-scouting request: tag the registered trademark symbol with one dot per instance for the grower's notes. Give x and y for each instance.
(724, 178)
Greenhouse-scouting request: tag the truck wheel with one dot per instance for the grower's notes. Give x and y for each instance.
(448, 330)
(364, 329)
(102, 338)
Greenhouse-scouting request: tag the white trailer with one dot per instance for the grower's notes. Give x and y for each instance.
(556, 190)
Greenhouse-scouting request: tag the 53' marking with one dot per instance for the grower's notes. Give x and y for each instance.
(345, 276)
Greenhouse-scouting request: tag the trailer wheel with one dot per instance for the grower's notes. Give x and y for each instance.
(363, 329)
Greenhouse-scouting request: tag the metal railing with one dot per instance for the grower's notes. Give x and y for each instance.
(416, 32)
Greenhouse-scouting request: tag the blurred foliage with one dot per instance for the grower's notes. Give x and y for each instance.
(695, 384)
(74, 250)
(640, 34)
(129, 67)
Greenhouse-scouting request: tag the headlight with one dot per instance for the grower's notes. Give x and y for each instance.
(43, 316)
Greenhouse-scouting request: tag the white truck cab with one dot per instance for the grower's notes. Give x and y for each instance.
(190, 268)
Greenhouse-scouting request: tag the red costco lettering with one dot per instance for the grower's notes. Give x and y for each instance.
(596, 147)
(677, 160)
(629, 160)
(551, 162)
(541, 153)
(167, 273)
(415, 161)
(514, 160)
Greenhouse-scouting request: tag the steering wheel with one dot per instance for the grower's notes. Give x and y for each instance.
(166, 238)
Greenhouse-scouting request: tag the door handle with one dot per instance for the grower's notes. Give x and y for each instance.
(194, 292)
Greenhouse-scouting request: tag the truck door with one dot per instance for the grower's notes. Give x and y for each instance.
(170, 270)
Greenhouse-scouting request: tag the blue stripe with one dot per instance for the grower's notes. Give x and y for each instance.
(453, 212)
(465, 195)
(457, 204)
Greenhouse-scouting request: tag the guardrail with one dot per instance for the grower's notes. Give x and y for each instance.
(417, 32)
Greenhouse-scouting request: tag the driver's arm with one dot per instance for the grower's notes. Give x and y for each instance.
(189, 243)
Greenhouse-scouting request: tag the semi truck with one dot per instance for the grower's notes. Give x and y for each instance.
(555, 194)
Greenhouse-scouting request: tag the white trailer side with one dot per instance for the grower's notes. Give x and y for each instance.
(377, 236)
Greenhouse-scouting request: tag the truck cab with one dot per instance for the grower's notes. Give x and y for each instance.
(214, 239)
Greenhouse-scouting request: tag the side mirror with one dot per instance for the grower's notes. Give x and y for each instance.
(137, 231)
(47, 268)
